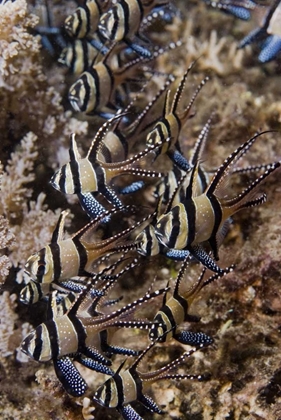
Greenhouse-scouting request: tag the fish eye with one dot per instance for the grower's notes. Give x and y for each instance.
(41, 269)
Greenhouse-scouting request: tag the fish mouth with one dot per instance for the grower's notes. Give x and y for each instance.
(74, 103)
(53, 181)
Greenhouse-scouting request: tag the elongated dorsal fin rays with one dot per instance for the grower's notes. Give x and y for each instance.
(200, 144)
(105, 278)
(186, 113)
(96, 145)
(173, 198)
(99, 301)
(250, 197)
(58, 232)
(78, 303)
(87, 229)
(134, 365)
(147, 109)
(118, 318)
(191, 293)
(178, 94)
(223, 170)
(191, 190)
(161, 373)
(115, 238)
(135, 158)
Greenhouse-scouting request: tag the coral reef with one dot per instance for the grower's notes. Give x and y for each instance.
(242, 311)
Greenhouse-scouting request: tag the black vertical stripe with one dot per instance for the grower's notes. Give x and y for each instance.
(72, 62)
(80, 331)
(53, 337)
(108, 393)
(88, 17)
(85, 49)
(111, 76)
(120, 389)
(38, 343)
(80, 22)
(116, 19)
(176, 226)
(74, 167)
(191, 220)
(100, 176)
(183, 302)
(88, 88)
(217, 212)
(62, 179)
(41, 265)
(55, 251)
(126, 15)
(148, 241)
(83, 256)
(270, 14)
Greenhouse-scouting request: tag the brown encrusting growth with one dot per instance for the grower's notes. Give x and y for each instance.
(241, 311)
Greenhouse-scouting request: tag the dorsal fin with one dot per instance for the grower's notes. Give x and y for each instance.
(134, 366)
(191, 189)
(178, 94)
(161, 373)
(111, 280)
(58, 232)
(116, 318)
(135, 158)
(94, 222)
(200, 142)
(118, 235)
(142, 115)
(120, 368)
(186, 112)
(223, 170)
(92, 154)
(78, 301)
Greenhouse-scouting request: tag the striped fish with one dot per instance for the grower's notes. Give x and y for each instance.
(129, 385)
(202, 218)
(90, 175)
(170, 191)
(119, 141)
(63, 259)
(76, 334)
(123, 21)
(170, 124)
(97, 90)
(175, 311)
(79, 55)
(85, 19)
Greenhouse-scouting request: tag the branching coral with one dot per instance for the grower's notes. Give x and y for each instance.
(18, 172)
(16, 191)
(28, 101)
(7, 239)
(215, 54)
(7, 323)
